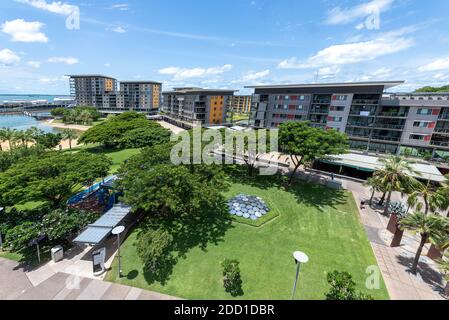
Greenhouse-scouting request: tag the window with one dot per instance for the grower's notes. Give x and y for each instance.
(285, 106)
(299, 108)
(337, 108)
(340, 98)
(302, 98)
(425, 112)
(335, 119)
(419, 137)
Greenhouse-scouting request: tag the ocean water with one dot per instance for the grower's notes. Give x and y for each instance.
(21, 122)
(29, 97)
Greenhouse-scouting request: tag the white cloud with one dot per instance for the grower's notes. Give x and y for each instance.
(441, 76)
(350, 53)
(119, 30)
(52, 80)
(34, 64)
(121, 6)
(107, 65)
(8, 57)
(328, 72)
(54, 7)
(24, 31)
(439, 64)
(185, 73)
(66, 60)
(253, 76)
(348, 15)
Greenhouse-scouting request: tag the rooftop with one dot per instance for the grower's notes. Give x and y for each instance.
(88, 76)
(198, 90)
(386, 84)
(142, 81)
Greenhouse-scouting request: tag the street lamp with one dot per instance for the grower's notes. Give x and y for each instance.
(117, 231)
(300, 257)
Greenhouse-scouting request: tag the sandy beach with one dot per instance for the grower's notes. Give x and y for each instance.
(66, 126)
(64, 144)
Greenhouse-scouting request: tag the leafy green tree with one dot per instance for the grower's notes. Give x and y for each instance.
(304, 144)
(9, 135)
(147, 136)
(58, 112)
(18, 237)
(69, 134)
(343, 287)
(51, 177)
(395, 176)
(110, 132)
(49, 140)
(433, 89)
(153, 248)
(62, 224)
(444, 267)
(427, 226)
(232, 281)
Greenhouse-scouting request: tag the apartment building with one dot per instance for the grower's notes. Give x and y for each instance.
(101, 92)
(197, 106)
(240, 103)
(373, 120)
(91, 89)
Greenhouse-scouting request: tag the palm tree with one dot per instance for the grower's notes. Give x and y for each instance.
(444, 195)
(427, 226)
(2, 137)
(24, 137)
(9, 135)
(395, 176)
(375, 186)
(444, 267)
(69, 134)
(433, 200)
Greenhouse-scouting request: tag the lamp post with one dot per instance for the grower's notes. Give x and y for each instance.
(117, 231)
(300, 257)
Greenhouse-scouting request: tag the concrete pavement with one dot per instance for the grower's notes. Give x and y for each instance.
(62, 286)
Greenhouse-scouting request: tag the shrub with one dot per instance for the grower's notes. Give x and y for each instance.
(343, 287)
(153, 246)
(232, 281)
(399, 209)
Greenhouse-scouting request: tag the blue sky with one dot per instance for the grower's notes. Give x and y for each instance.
(223, 43)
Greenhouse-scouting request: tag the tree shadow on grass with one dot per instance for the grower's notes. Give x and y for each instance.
(306, 192)
(196, 231)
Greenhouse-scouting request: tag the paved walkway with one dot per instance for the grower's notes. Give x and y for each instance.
(63, 286)
(395, 263)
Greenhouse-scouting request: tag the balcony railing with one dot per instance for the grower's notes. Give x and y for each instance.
(444, 116)
(358, 113)
(324, 111)
(394, 114)
(386, 138)
(364, 101)
(444, 131)
(319, 101)
(439, 143)
(389, 126)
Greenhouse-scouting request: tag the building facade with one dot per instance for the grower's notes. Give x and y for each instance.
(240, 104)
(101, 93)
(90, 89)
(197, 106)
(374, 121)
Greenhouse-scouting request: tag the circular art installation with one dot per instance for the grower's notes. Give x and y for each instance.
(248, 207)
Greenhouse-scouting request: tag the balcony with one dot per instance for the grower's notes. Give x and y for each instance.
(358, 113)
(394, 114)
(319, 110)
(365, 102)
(389, 126)
(386, 138)
(321, 101)
(440, 144)
(442, 131)
(444, 116)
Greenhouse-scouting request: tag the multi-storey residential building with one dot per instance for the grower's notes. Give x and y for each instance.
(197, 106)
(91, 89)
(373, 120)
(240, 104)
(101, 92)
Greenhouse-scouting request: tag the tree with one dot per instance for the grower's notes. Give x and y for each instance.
(69, 134)
(111, 132)
(343, 287)
(9, 135)
(58, 112)
(305, 144)
(51, 177)
(394, 176)
(444, 267)
(146, 136)
(19, 237)
(49, 140)
(427, 226)
(62, 224)
(433, 200)
(232, 281)
(375, 186)
(153, 248)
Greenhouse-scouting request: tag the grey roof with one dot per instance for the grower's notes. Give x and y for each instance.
(199, 91)
(96, 232)
(142, 81)
(386, 84)
(89, 76)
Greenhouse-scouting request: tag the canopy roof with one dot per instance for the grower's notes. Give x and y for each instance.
(371, 163)
(98, 231)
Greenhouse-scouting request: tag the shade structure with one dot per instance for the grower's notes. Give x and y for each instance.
(98, 231)
(248, 207)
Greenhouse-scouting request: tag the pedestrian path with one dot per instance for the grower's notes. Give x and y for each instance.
(63, 286)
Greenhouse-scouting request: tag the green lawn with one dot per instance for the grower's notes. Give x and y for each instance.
(321, 222)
